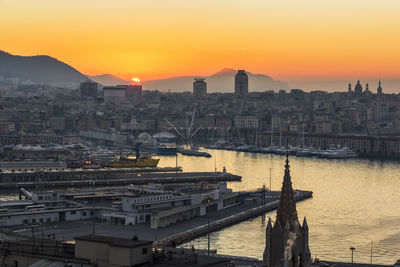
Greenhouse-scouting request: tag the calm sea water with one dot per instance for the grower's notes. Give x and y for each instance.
(355, 203)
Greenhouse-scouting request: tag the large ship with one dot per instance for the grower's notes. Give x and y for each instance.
(140, 161)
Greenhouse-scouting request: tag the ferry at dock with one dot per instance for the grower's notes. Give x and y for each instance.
(144, 160)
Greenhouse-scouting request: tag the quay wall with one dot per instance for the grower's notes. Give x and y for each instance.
(225, 222)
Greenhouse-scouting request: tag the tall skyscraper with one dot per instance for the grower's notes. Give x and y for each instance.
(88, 90)
(199, 88)
(88, 94)
(241, 83)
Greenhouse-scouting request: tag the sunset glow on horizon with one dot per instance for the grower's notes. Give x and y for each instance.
(286, 39)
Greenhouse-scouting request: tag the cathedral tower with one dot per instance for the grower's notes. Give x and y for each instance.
(287, 241)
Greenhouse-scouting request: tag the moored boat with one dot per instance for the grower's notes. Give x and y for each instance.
(144, 160)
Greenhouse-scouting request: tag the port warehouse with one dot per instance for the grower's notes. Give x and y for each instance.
(158, 209)
(88, 250)
(105, 177)
(59, 169)
(111, 217)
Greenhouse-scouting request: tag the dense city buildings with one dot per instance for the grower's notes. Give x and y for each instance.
(364, 121)
(241, 83)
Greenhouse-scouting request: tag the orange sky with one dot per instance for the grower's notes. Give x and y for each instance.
(287, 39)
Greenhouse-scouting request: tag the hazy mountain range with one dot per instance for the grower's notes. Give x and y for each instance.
(108, 80)
(222, 81)
(40, 70)
(50, 71)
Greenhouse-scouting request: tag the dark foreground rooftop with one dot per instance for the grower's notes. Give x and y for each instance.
(115, 241)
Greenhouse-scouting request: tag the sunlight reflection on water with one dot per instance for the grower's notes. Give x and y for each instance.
(354, 202)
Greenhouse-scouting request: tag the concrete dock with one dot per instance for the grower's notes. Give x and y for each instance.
(26, 175)
(228, 221)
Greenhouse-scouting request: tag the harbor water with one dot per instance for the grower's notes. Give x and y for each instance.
(356, 203)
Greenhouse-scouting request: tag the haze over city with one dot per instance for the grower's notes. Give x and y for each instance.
(294, 41)
(214, 133)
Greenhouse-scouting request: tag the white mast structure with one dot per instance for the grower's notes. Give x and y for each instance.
(187, 134)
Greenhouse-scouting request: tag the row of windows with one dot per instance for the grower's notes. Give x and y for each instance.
(73, 212)
(41, 220)
(147, 199)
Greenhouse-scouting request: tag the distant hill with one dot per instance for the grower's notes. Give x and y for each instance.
(108, 80)
(222, 81)
(40, 70)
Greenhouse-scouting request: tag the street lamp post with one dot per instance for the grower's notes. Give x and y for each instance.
(176, 163)
(270, 180)
(371, 251)
(93, 208)
(352, 251)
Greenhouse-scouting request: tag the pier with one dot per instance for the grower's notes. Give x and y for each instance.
(228, 221)
(26, 175)
(118, 178)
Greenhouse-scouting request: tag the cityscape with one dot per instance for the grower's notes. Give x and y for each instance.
(149, 149)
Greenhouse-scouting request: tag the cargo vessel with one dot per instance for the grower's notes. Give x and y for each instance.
(141, 160)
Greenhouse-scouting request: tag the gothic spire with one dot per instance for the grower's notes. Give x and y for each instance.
(287, 206)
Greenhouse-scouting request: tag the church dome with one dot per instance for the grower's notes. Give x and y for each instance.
(145, 136)
(358, 89)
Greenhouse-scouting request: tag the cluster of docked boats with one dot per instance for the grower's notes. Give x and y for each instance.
(333, 152)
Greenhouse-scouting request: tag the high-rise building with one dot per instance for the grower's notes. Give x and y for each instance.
(241, 83)
(114, 94)
(134, 92)
(349, 88)
(287, 240)
(199, 88)
(379, 89)
(88, 90)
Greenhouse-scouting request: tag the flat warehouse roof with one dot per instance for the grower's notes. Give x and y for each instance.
(114, 241)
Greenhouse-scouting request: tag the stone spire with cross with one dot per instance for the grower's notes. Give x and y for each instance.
(287, 212)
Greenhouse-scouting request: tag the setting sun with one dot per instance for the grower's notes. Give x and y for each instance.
(136, 80)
